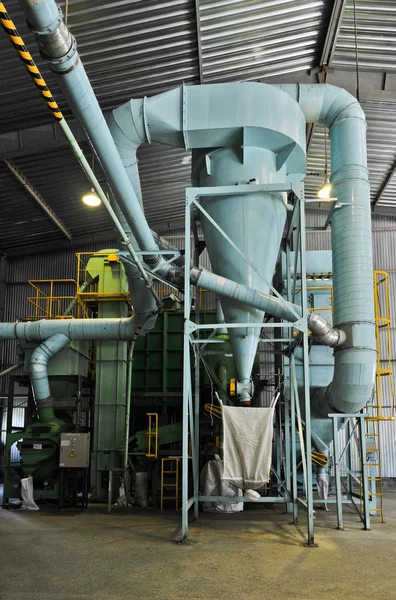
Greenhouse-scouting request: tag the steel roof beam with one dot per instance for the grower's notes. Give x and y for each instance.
(332, 33)
(29, 188)
(199, 41)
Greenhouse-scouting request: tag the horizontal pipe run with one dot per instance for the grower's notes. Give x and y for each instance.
(11, 369)
(75, 329)
(281, 309)
(230, 289)
(232, 499)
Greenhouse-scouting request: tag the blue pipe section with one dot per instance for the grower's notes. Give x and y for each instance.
(279, 308)
(79, 330)
(58, 47)
(215, 115)
(354, 372)
(39, 375)
(145, 308)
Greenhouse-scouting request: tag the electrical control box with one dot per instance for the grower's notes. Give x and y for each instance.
(75, 450)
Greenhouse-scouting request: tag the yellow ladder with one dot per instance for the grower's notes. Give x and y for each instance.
(373, 452)
(170, 469)
(152, 432)
(384, 373)
(377, 411)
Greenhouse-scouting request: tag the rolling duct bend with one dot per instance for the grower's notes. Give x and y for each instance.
(39, 375)
(354, 372)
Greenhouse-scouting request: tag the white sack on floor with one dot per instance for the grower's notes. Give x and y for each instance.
(213, 484)
(28, 502)
(247, 445)
(323, 488)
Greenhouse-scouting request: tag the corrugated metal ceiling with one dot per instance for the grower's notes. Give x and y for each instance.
(254, 40)
(376, 33)
(140, 48)
(129, 49)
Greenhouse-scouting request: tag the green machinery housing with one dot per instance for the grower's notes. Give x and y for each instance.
(88, 385)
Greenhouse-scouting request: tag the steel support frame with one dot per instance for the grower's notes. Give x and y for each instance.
(353, 421)
(296, 240)
(191, 410)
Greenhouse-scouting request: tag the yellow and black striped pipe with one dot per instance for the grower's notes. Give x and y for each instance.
(9, 27)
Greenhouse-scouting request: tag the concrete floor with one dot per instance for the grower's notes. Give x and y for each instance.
(254, 555)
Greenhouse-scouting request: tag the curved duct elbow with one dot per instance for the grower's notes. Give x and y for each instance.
(144, 305)
(354, 369)
(324, 333)
(39, 374)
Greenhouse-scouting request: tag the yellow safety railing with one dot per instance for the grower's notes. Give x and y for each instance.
(213, 410)
(152, 432)
(318, 308)
(92, 294)
(320, 287)
(47, 302)
(384, 370)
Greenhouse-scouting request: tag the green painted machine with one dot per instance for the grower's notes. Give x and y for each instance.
(38, 444)
(157, 388)
(112, 298)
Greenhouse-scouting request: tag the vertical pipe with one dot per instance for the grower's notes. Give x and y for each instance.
(128, 402)
(307, 395)
(186, 370)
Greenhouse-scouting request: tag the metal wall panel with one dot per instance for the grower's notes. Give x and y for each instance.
(18, 419)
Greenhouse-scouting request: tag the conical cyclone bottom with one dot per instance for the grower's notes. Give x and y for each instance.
(255, 223)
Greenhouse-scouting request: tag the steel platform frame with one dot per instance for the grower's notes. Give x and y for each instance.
(191, 393)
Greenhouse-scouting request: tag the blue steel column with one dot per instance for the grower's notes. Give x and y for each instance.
(307, 396)
(186, 368)
(363, 454)
(196, 391)
(286, 400)
(340, 524)
(293, 440)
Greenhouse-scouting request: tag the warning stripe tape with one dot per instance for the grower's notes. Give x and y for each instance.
(9, 27)
(135, 335)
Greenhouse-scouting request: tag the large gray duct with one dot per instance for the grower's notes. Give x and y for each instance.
(194, 117)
